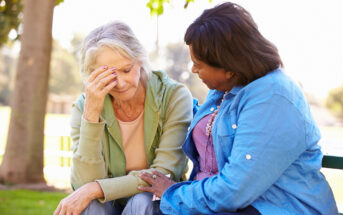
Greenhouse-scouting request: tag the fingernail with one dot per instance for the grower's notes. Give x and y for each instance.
(104, 67)
(113, 68)
(114, 73)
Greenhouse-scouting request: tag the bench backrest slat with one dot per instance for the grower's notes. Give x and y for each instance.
(333, 162)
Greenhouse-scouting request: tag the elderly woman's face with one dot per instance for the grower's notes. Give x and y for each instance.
(128, 72)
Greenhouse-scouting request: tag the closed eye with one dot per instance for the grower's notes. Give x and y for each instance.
(127, 70)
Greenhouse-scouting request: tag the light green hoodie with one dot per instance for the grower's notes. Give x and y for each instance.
(167, 115)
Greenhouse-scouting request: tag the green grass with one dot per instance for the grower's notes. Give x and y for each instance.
(25, 202)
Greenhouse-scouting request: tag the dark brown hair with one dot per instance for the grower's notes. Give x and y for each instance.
(227, 37)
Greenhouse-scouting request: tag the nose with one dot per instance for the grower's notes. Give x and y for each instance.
(120, 82)
(194, 70)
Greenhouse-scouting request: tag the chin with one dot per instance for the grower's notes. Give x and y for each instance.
(122, 96)
(210, 87)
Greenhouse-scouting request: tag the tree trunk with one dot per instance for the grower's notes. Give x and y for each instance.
(23, 159)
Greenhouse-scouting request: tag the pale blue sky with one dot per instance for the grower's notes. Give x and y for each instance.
(308, 33)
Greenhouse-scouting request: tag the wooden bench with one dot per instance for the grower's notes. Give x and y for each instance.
(333, 162)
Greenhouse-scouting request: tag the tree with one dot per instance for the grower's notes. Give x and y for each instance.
(335, 101)
(23, 159)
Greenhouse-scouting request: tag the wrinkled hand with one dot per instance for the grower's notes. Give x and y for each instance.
(98, 85)
(159, 183)
(79, 200)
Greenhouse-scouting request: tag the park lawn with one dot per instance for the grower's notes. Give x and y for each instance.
(26, 202)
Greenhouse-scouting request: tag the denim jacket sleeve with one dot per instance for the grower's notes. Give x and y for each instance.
(269, 137)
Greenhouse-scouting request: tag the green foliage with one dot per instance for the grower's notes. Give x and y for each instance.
(11, 18)
(156, 6)
(20, 202)
(10, 11)
(335, 101)
(59, 2)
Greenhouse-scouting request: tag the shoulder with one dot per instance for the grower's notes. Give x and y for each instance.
(275, 85)
(159, 78)
(160, 82)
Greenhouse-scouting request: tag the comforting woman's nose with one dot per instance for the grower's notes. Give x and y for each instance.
(194, 70)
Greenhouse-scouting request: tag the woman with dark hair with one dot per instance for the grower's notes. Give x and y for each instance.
(253, 143)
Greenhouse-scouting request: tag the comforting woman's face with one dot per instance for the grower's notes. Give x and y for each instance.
(214, 78)
(128, 72)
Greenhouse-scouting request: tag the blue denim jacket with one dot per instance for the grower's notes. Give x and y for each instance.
(266, 146)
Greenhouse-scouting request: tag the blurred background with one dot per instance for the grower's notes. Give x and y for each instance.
(308, 34)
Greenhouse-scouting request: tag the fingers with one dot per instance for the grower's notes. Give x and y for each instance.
(104, 74)
(69, 206)
(99, 74)
(58, 209)
(96, 72)
(159, 174)
(108, 88)
(63, 210)
(147, 177)
(146, 189)
(98, 86)
(105, 81)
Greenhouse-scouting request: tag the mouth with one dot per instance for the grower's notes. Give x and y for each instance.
(122, 91)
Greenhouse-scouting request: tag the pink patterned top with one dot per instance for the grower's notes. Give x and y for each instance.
(204, 145)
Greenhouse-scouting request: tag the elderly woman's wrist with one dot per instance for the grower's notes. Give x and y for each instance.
(91, 117)
(95, 190)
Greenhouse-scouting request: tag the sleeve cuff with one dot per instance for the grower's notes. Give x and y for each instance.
(119, 187)
(90, 137)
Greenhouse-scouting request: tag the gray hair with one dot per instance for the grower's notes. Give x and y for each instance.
(119, 37)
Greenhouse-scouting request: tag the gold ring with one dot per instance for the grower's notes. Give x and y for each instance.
(154, 176)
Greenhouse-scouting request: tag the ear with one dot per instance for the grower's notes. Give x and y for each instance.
(228, 75)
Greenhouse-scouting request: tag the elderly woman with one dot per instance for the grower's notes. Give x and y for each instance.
(129, 120)
(253, 143)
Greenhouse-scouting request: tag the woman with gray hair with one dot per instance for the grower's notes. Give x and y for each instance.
(129, 120)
